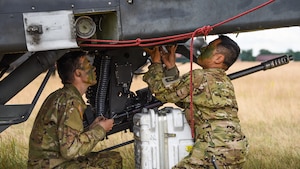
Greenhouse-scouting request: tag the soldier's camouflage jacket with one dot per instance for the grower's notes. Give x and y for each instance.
(217, 126)
(58, 135)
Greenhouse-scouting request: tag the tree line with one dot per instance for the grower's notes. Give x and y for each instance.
(247, 55)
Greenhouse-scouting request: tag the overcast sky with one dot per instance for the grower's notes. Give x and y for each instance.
(275, 40)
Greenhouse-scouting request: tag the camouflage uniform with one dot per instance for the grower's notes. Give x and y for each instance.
(217, 127)
(58, 139)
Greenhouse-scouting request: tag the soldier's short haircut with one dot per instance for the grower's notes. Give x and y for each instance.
(67, 65)
(229, 48)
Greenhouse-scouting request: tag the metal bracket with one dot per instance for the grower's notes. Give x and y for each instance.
(14, 114)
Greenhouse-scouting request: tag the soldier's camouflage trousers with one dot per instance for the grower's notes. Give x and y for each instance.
(187, 165)
(236, 166)
(94, 160)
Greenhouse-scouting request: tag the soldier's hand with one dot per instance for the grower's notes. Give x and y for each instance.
(96, 121)
(107, 124)
(169, 58)
(154, 53)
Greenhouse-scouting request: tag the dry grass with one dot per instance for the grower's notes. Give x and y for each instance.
(268, 110)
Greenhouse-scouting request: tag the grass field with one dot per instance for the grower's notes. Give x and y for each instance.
(268, 110)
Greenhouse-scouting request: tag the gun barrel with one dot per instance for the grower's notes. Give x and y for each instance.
(269, 64)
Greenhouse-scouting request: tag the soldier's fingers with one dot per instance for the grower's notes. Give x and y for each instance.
(148, 50)
(173, 48)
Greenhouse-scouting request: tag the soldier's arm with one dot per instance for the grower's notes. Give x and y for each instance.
(73, 141)
(164, 87)
(170, 90)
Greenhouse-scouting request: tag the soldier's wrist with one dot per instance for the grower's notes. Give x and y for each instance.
(172, 72)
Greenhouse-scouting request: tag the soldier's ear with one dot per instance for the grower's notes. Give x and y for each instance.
(219, 58)
(77, 73)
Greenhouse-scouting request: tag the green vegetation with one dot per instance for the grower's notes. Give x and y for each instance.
(247, 55)
(296, 55)
(13, 153)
